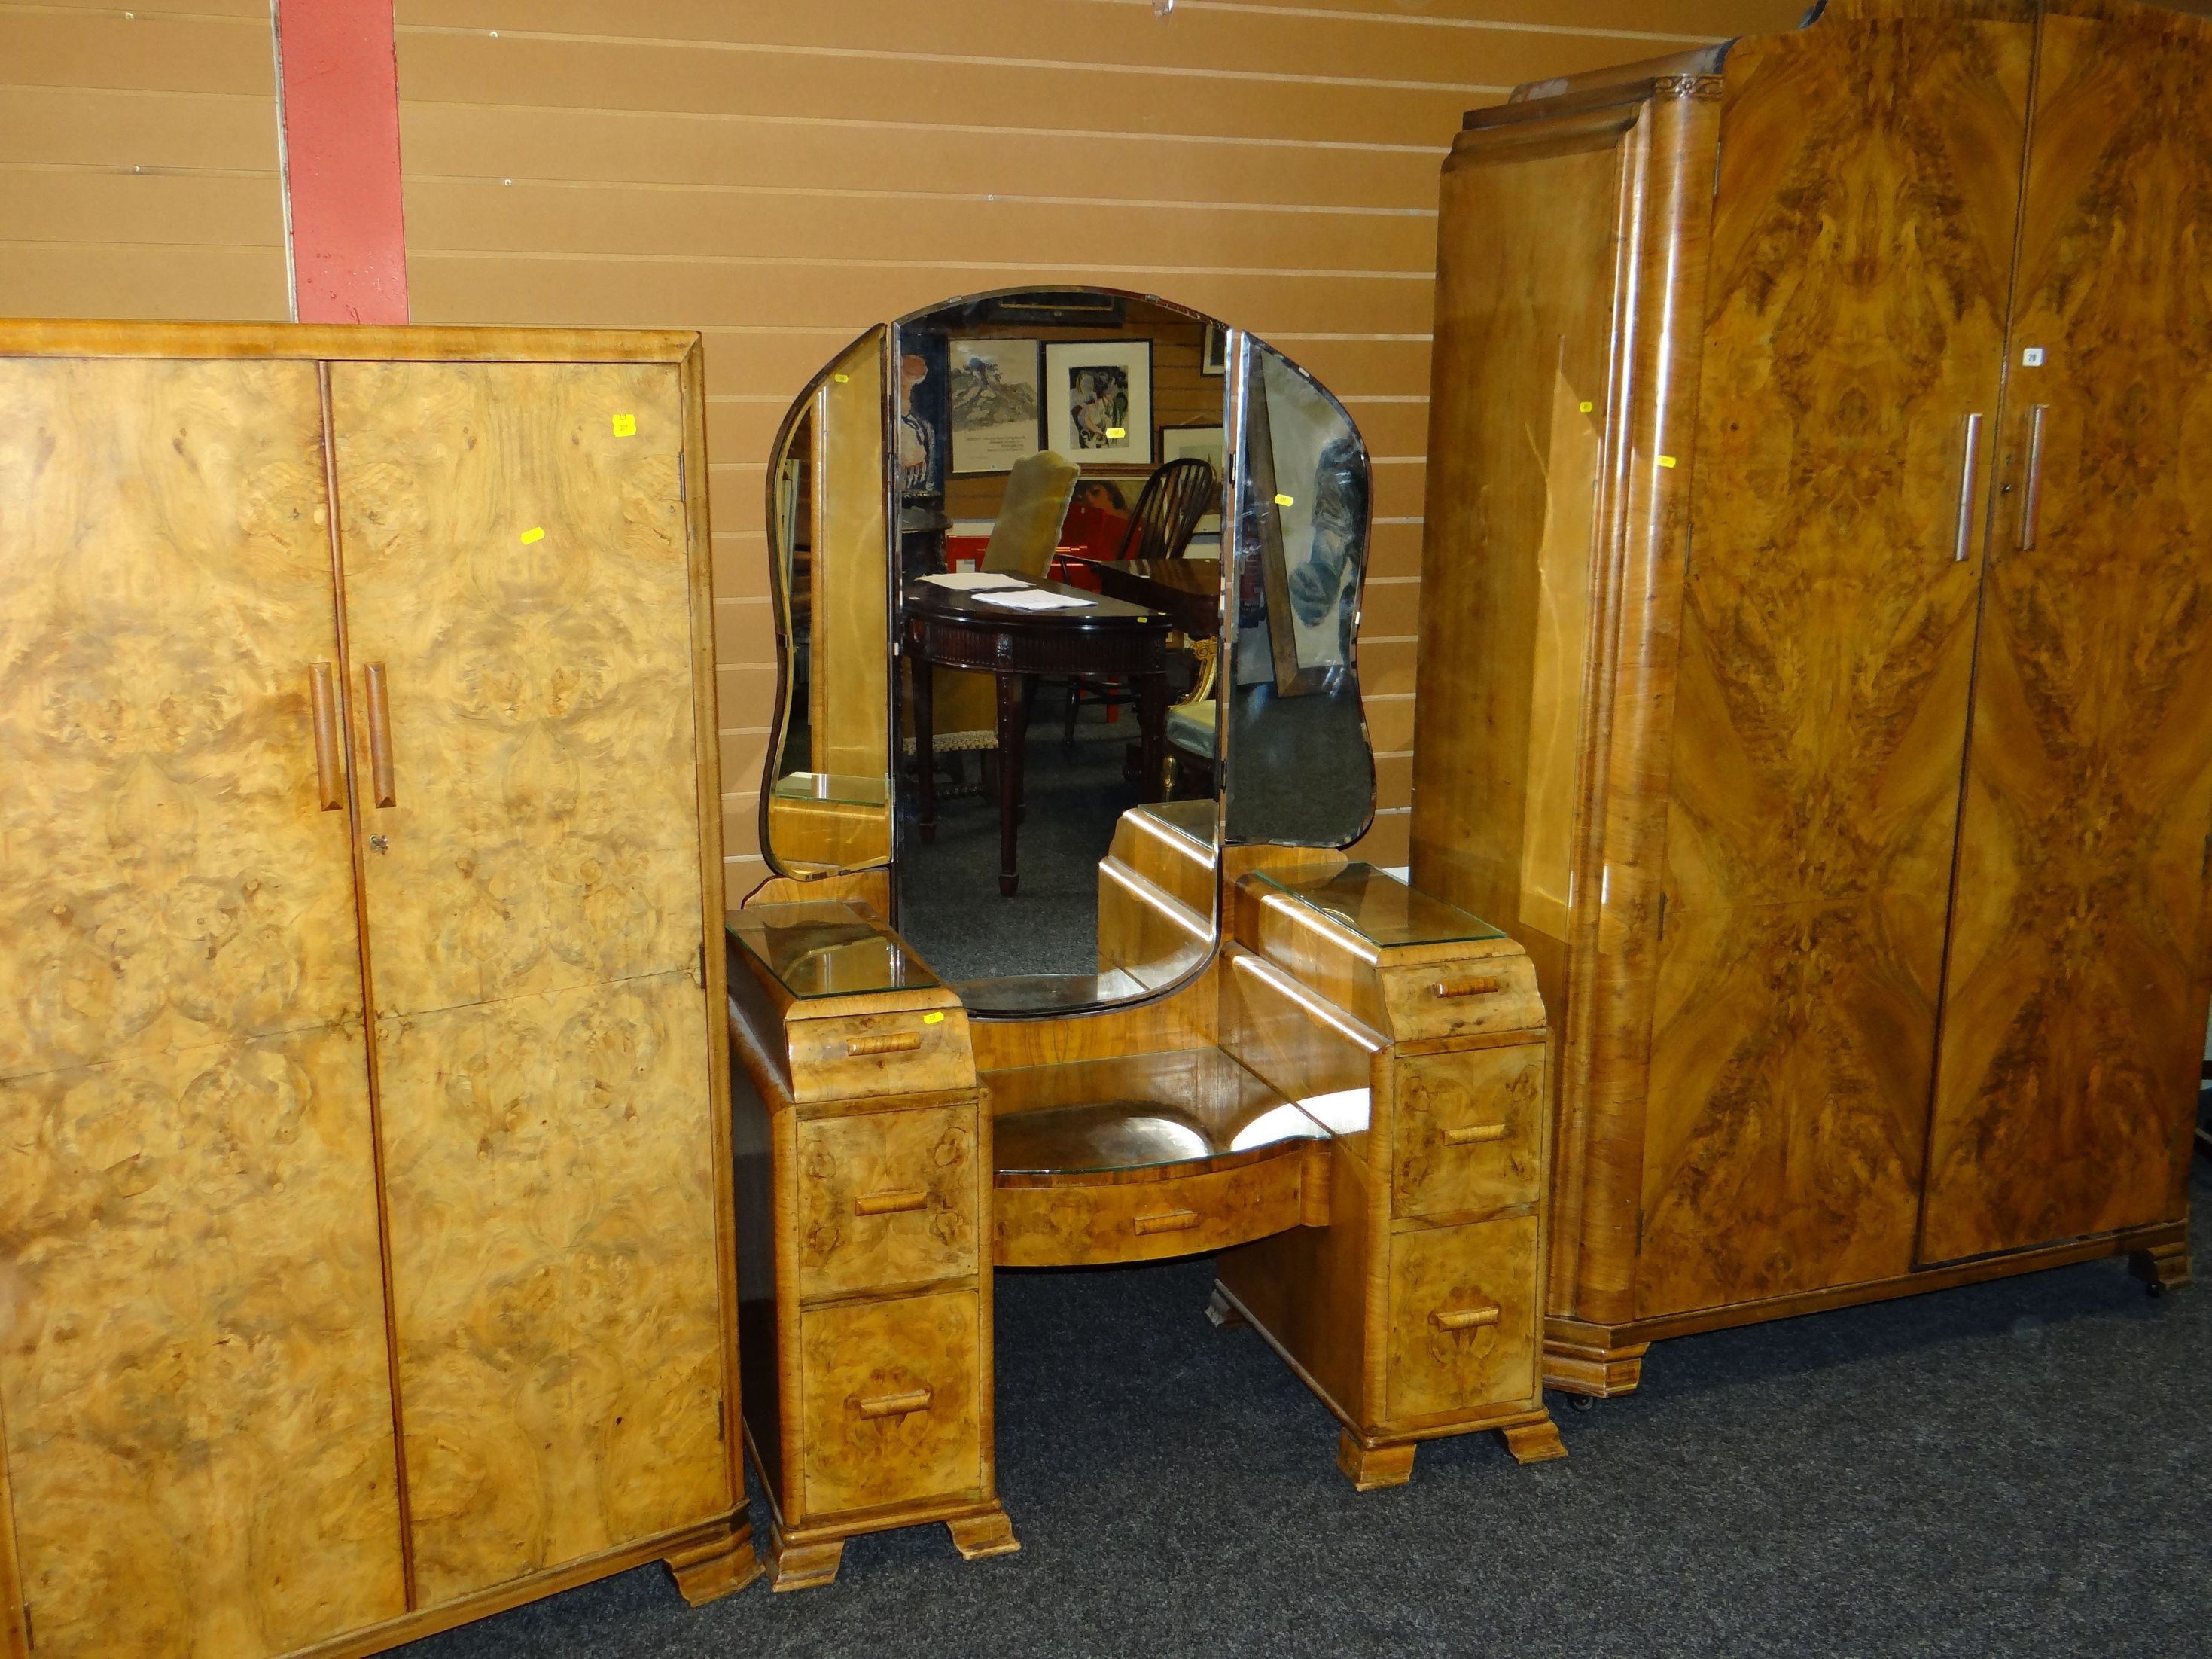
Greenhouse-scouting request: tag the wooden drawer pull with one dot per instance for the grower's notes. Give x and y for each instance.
(1473, 1135)
(1481, 987)
(911, 1198)
(1463, 1319)
(895, 1405)
(1167, 1221)
(330, 785)
(894, 1043)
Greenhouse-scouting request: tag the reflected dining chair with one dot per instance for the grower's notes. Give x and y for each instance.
(1175, 497)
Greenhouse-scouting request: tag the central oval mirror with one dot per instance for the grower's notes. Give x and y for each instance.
(1068, 591)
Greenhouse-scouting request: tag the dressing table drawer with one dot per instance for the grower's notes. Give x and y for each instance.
(1463, 999)
(891, 1409)
(908, 1053)
(886, 1199)
(1463, 1317)
(1469, 1131)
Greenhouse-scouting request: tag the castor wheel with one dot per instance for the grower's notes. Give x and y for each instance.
(1581, 1402)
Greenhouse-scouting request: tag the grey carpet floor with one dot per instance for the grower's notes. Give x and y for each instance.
(2018, 1468)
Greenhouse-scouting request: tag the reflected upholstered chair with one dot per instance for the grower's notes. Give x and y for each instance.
(1026, 532)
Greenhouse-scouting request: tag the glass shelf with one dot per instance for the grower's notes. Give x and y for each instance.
(831, 786)
(1381, 908)
(1091, 1117)
(824, 949)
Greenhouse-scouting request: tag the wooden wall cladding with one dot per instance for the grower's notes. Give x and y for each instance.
(138, 168)
(783, 174)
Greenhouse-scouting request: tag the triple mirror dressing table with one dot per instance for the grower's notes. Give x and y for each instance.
(1195, 1026)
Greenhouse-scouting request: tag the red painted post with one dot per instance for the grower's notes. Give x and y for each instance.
(339, 91)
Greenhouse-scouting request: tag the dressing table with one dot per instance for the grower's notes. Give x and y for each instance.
(1251, 1045)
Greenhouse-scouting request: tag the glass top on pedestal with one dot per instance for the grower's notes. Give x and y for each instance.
(822, 948)
(1381, 908)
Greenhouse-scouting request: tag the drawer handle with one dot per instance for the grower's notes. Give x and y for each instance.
(1473, 1135)
(1463, 1319)
(1481, 987)
(1167, 1221)
(896, 1042)
(911, 1198)
(895, 1405)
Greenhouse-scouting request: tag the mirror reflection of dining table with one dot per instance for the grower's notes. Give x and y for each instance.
(962, 628)
(1188, 589)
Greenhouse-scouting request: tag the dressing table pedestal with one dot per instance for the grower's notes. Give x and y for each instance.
(863, 1164)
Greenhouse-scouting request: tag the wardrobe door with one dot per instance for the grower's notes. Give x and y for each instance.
(194, 1379)
(2074, 1003)
(1867, 197)
(518, 588)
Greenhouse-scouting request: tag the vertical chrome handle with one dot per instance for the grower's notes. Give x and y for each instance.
(2032, 497)
(380, 735)
(1963, 534)
(322, 692)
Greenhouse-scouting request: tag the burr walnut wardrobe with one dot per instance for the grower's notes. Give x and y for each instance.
(365, 1259)
(1816, 661)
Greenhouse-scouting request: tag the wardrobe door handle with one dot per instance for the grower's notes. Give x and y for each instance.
(1963, 537)
(322, 691)
(2032, 497)
(380, 735)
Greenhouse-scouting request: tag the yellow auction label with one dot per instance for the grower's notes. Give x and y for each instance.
(933, 1019)
(1665, 460)
(535, 534)
(1285, 501)
(1117, 433)
(625, 426)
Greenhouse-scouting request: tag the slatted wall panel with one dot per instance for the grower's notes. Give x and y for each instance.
(138, 171)
(783, 172)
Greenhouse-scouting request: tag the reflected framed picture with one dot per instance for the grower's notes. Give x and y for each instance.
(1099, 401)
(1213, 353)
(1204, 443)
(997, 408)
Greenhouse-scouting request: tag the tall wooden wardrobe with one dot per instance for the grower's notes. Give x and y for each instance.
(1816, 658)
(364, 1180)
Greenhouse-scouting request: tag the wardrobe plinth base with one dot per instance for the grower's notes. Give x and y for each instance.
(2161, 1267)
(1605, 1373)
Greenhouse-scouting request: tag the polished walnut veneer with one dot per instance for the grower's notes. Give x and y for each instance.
(1348, 1105)
(1812, 518)
(366, 1231)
